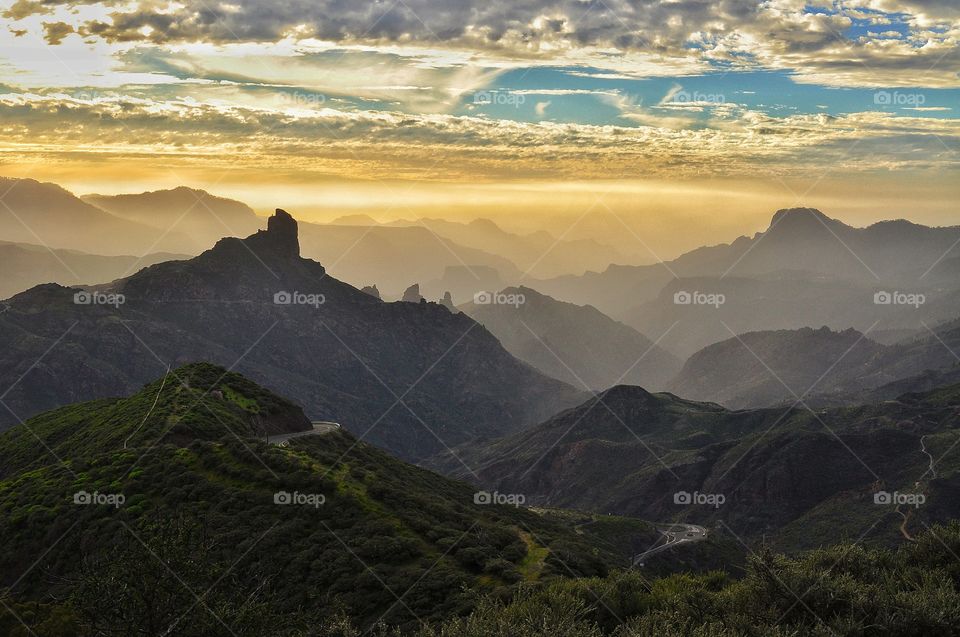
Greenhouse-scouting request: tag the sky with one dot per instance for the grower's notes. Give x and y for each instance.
(685, 119)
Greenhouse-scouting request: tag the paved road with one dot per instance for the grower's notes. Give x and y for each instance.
(319, 427)
(675, 535)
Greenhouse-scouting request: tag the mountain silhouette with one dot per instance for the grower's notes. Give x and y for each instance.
(577, 344)
(25, 265)
(202, 216)
(44, 213)
(411, 377)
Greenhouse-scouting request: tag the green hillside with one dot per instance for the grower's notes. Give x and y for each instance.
(363, 530)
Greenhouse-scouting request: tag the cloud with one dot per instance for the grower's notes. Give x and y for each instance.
(55, 32)
(615, 37)
(368, 144)
(541, 108)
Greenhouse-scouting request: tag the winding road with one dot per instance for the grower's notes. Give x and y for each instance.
(675, 534)
(319, 427)
(932, 470)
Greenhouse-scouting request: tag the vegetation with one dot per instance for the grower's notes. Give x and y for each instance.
(326, 523)
(198, 527)
(842, 590)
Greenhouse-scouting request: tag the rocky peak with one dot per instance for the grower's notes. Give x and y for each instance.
(412, 294)
(802, 221)
(371, 290)
(281, 238)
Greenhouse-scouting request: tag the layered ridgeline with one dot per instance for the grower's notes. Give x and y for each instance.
(44, 213)
(538, 254)
(804, 270)
(797, 478)
(166, 512)
(196, 213)
(360, 252)
(577, 344)
(25, 265)
(821, 366)
(412, 377)
(760, 369)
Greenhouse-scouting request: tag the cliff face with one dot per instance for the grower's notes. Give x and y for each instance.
(413, 377)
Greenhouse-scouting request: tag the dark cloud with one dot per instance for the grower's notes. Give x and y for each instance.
(529, 24)
(783, 34)
(55, 32)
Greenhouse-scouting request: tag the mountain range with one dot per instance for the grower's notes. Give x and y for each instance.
(411, 377)
(805, 270)
(821, 366)
(536, 254)
(357, 249)
(26, 265)
(237, 422)
(798, 477)
(46, 214)
(205, 218)
(576, 344)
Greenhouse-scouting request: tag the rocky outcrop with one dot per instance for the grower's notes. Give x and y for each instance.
(279, 239)
(412, 294)
(447, 301)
